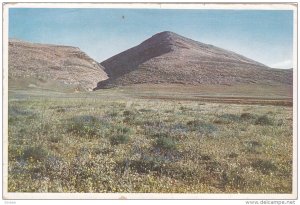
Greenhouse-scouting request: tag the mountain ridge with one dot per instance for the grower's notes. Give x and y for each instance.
(164, 58)
(35, 64)
(167, 57)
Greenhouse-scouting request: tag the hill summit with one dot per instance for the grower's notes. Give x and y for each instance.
(169, 58)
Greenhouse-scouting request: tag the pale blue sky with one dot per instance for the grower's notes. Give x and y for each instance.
(262, 35)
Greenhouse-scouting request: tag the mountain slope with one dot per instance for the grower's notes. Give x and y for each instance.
(169, 58)
(48, 66)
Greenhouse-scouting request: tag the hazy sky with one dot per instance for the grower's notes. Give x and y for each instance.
(262, 35)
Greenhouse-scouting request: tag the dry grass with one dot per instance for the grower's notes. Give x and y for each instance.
(111, 141)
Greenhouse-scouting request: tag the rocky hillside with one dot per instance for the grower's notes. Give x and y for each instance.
(168, 58)
(41, 65)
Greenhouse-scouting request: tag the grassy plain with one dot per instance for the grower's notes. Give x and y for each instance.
(149, 139)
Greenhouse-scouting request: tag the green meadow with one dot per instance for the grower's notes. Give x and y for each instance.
(118, 140)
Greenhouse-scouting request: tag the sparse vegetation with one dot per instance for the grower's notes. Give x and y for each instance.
(201, 126)
(265, 166)
(36, 153)
(166, 143)
(119, 139)
(102, 142)
(85, 126)
(263, 120)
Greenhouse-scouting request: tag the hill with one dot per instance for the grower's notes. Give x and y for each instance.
(168, 58)
(51, 67)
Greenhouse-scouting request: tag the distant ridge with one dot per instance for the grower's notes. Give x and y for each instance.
(36, 65)
(169, 58)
